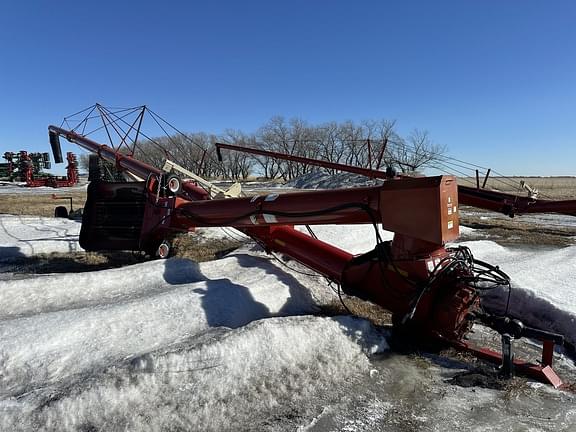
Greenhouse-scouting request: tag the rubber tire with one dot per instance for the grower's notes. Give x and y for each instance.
(61, 212)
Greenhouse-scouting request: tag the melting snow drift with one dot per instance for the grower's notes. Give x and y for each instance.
(231, 344)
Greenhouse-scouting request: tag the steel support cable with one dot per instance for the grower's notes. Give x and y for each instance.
(186, 137)
(446, 168)
(498, 178)
(502, 179)
(80, 112)
(183, 150)
(86, 121)
(89, 116)
(121, 118)
(115, 126)
(468, 178)
(449, 161)
(126, 133)
(105, 125)
(153, 141)
(441, 158)
(117, 119)
(102, 127)
(176, 129)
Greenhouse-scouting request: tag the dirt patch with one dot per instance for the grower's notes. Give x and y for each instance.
(71, 262)
(195, 248)
(477, 379)
(39, 204)
(199, 249)
(516, 231)
(363, 309)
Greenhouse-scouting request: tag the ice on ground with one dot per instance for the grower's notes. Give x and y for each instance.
(21, 188)
(230, 380)
(29, 235)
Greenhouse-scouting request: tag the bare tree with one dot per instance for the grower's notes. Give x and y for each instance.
(370, 144)
(330, 146)
(238, 165)
(416, 151)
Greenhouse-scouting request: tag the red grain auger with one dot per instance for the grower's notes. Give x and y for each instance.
(433, 291)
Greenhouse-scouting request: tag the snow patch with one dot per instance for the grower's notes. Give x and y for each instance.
(235, 377)
(542, 284)
(29, 235)
(324, 180)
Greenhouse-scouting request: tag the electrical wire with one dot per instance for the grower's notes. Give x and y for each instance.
(293, 269)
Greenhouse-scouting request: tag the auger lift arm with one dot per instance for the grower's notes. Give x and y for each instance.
(431, 290)
(500, 202)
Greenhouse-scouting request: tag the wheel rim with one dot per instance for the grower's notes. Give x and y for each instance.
(163, 250)
(173, 185)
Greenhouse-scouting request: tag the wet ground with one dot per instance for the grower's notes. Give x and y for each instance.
(431, 392)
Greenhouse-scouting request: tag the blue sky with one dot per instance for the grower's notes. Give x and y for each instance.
(494, 80)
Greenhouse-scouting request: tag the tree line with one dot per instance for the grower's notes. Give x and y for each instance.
(369, 144)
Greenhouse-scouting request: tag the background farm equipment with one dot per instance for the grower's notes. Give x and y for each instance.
(28, 168)
(433, 291)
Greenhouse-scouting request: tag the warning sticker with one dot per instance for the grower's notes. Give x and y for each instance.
(450, 224)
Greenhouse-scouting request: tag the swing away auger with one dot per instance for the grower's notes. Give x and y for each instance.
(433, 291)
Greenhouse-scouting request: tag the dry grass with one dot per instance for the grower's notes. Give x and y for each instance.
(38, 204)
(363, 309)
(516, 231)
(549, 187)
(194, 248)
(71, 262)
(199, 249)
